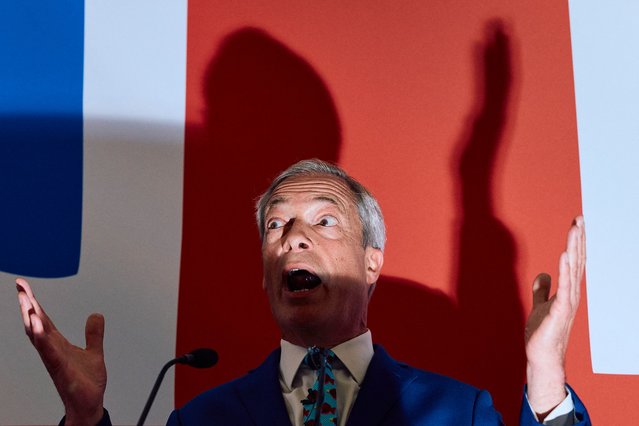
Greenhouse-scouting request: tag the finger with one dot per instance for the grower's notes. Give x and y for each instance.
(37, 328)
(581, 245)
(541, 289)
(582, 224)
(25, 306)
(564, 294)
(25, 310)
(22, 286)
(94, 333)
(29, 292)
(21, 283)
(571, 249)
(576, 258)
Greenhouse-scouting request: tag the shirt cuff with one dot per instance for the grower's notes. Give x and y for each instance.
(104, 421)
(564, 411)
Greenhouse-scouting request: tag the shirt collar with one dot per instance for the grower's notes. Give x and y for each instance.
(355, 354)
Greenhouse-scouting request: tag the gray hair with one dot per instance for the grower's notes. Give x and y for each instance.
(373, 229)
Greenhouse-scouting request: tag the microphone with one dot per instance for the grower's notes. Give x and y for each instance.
(198, 358)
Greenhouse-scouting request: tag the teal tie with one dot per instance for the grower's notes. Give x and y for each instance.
(320, 405)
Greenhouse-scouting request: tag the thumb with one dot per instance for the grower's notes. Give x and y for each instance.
(541, 289)
(94, 333)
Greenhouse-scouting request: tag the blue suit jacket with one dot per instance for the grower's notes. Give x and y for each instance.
(392, 394)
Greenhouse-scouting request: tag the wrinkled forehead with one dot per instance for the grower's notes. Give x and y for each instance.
(312, 187)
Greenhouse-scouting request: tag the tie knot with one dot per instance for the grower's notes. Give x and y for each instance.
(317, 357)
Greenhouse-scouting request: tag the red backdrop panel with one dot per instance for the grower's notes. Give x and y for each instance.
(459, 116)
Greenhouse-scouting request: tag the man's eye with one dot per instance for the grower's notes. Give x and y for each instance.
(274, 224)
(327, 221)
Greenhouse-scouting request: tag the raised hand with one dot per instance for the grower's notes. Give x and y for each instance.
(79, 374)
(549, 324)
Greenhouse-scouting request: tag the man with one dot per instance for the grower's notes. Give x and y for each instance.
(322, 246)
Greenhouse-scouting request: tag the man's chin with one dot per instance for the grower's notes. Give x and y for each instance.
(302, 319)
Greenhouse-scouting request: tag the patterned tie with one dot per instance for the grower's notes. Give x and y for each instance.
(320, 405)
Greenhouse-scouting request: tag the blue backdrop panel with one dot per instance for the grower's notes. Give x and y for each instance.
(41, 60)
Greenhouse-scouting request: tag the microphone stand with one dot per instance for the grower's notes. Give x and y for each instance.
(198, 358)
(155, 389)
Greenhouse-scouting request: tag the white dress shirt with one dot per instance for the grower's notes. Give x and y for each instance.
(349, 369)
(354, 356)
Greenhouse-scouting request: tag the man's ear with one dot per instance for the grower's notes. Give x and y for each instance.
(374, 262)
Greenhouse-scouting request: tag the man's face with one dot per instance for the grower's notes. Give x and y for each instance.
(317, 274)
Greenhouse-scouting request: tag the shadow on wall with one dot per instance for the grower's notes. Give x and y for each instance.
(265, 109)
(479, 337)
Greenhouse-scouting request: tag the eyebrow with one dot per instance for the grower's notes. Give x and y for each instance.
(274, 201)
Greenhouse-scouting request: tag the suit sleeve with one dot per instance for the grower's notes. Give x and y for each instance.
(484, 412)
(581, 417)
(174, 419)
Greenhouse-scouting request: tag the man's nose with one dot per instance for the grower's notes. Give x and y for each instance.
(296, 237)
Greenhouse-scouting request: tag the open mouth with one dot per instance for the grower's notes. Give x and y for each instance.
(299, 280)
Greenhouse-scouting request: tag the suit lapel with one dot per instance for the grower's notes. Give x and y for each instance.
(383, 384)
(261, 394)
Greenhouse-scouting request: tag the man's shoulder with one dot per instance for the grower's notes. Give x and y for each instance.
(228, 402)
(440, 382)
(219, 405)
(415, 396)
(419, 379)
